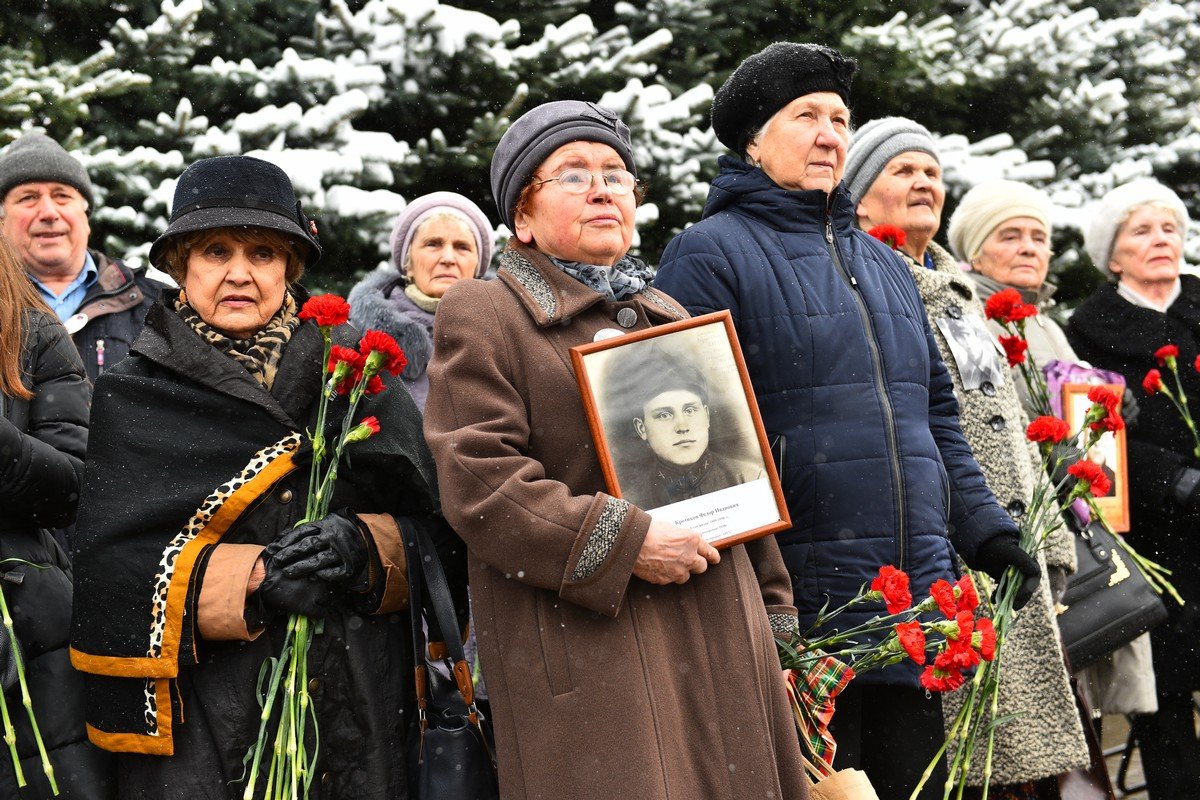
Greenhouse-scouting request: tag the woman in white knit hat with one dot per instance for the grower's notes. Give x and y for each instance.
(1135, 237)
(1002, 229)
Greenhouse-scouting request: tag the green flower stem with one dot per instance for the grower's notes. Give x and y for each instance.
(10, 739)
(318, 436)
(26, 700)
(264, 717)
(1182, 405)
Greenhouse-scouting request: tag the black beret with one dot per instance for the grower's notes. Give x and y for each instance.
(769, 80)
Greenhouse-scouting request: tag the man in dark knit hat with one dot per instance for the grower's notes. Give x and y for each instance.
(45, 200)
(847, 374)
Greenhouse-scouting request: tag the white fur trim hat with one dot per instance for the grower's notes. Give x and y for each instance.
(989, 204)
(1106, 215)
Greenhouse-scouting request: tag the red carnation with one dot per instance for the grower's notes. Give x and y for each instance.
(1007, 306)
(941, 680)
(958, 655)
(890, 235)
(912, 639)
(1166, 354)
(326, 309)
(393, 359)
(1104, 396)
(1110, 423)
(345, 365)
(1152, 383)
(372, 423)
(1051, 430)
(968, 596)
(892, 584)
(1092, 474)
(1196, 364)
(1014, 349)
(984, 638)
(368, 427)
(943, 594)
(966, 626)
(374, 385)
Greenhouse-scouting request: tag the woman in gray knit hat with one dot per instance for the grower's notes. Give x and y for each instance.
(897, 181)
(625, 657)
(438, 240)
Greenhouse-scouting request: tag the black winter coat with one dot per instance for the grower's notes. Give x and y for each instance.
(115, 309)
(42, 444)
(1112, 333)
(361, 667)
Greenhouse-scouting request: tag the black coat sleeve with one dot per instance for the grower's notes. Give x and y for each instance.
(41, 462)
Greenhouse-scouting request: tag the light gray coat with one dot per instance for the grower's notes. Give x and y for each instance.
(1046, 738)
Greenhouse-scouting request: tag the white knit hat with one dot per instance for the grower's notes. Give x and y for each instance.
(1106, 216)
(989, 204)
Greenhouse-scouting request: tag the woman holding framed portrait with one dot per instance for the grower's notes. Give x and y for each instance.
(595, 623)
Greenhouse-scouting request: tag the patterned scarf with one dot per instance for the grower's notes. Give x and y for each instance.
(260, 353)
(624, 279)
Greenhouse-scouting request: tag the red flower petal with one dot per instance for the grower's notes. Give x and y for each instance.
(1014, 349)
(1165, 352)
(1152, 383)
(326, 309)
(968, 596)
(890, 235)
(893, 585)
(986, 632)
(1047, 429)
(912, 639)
(380, 342)
(943, 594)
(1091, 473)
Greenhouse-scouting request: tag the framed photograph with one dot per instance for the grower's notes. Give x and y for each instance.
(678, 430)
(1108, 452)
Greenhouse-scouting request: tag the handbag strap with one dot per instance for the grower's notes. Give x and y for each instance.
(425, 568)
(416, 606)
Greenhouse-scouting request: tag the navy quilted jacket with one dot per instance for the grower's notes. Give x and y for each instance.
(875, 469)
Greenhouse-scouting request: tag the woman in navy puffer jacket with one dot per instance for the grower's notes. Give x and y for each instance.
(875, 467)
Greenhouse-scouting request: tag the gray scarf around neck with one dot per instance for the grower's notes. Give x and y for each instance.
(622, 280)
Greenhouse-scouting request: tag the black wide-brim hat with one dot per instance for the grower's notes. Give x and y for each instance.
(237, 191)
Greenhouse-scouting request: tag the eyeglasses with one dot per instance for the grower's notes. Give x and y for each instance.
(578, 180)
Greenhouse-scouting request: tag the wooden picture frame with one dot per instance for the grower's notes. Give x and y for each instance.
(1110, 452)
(699, 457)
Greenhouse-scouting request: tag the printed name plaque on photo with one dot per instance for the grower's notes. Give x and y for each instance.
(677, 428)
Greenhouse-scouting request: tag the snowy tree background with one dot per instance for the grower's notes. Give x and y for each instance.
(366, 103)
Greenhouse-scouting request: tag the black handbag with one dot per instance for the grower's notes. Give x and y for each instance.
(455, 753)
(1108, 602)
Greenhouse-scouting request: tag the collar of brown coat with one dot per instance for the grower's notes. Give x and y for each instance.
(552, 297)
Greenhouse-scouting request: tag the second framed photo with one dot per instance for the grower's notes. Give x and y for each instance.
(1108, 452)
(678, 431)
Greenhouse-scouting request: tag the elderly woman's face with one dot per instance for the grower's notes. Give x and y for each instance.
(236, 287)
(1148, 247)
(442, 253)
(908, 194)
(595, 227)
(804, 145)
(1016, 253)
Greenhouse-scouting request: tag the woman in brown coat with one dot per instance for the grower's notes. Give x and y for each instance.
(625, 657)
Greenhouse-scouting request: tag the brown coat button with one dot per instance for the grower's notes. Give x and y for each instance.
(285, 496)
(314, 684)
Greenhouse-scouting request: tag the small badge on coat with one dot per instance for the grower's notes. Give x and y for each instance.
(627, 318)
(75, 323)
(607, 333)
(974, 351)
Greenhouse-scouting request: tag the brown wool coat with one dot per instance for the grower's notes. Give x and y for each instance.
(602, 685)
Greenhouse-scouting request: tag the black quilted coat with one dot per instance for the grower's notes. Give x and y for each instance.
(42, 444)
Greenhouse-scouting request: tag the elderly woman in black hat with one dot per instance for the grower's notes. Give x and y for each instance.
(847, 372)
(198, 465)
(625, 656)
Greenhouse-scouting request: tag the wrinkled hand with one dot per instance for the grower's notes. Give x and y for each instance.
(1002, 551)
(285, 595)
(332, 550)
(671, 554)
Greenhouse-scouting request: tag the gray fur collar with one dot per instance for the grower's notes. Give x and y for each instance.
(396, 315)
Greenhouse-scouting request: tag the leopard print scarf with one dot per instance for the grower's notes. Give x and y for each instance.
(260, 354)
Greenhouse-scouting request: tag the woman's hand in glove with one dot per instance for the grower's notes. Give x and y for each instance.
(999, 553)
(336, 550)
(282, 594)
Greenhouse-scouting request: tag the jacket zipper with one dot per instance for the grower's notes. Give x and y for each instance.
(889, 418)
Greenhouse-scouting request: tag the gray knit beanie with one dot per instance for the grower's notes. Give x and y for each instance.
(878, 142)
(539, 132)
(36, 158)
(430, 205)
(1106, 216)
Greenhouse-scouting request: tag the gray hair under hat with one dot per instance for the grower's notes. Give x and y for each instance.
(36, 158)
(539, 132)
(878, 142)
(431, 205)
(1106, 216)
(987, 206)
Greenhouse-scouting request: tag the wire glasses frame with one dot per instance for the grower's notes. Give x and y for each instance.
(578, 180)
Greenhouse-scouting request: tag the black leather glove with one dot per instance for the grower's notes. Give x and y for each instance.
(283, 595)
(1186, 488)
(1001, 552)
(1130, 408)
(336, 550)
